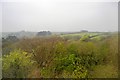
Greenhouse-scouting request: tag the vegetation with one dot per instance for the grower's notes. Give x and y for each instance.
(17, 64)
(92, 55)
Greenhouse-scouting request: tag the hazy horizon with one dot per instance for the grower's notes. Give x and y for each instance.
(53, 31)
(59, 16)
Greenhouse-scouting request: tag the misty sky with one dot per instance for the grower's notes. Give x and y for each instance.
(59, 15)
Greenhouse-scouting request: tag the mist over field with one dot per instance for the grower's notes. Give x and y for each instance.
(59, 39)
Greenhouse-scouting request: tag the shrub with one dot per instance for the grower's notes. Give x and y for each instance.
(70, 66)
(61, 58)
(17, 64)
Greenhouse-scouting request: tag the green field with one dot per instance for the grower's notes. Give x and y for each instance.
(89, 35)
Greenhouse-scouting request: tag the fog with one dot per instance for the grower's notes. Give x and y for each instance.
(59, 15)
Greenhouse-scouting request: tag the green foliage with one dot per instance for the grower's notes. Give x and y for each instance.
(85, 38)
(71, 65)
(72, 56)
(17, 64)
(80, 72)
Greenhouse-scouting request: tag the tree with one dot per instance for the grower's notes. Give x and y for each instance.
(44, 33)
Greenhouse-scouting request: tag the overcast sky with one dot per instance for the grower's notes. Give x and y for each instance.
(59, 15)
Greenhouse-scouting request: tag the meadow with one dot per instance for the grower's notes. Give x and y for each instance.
(76, 55)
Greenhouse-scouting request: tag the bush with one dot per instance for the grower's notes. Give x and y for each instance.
(61, 58)
(17, 64)
(70, 65)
